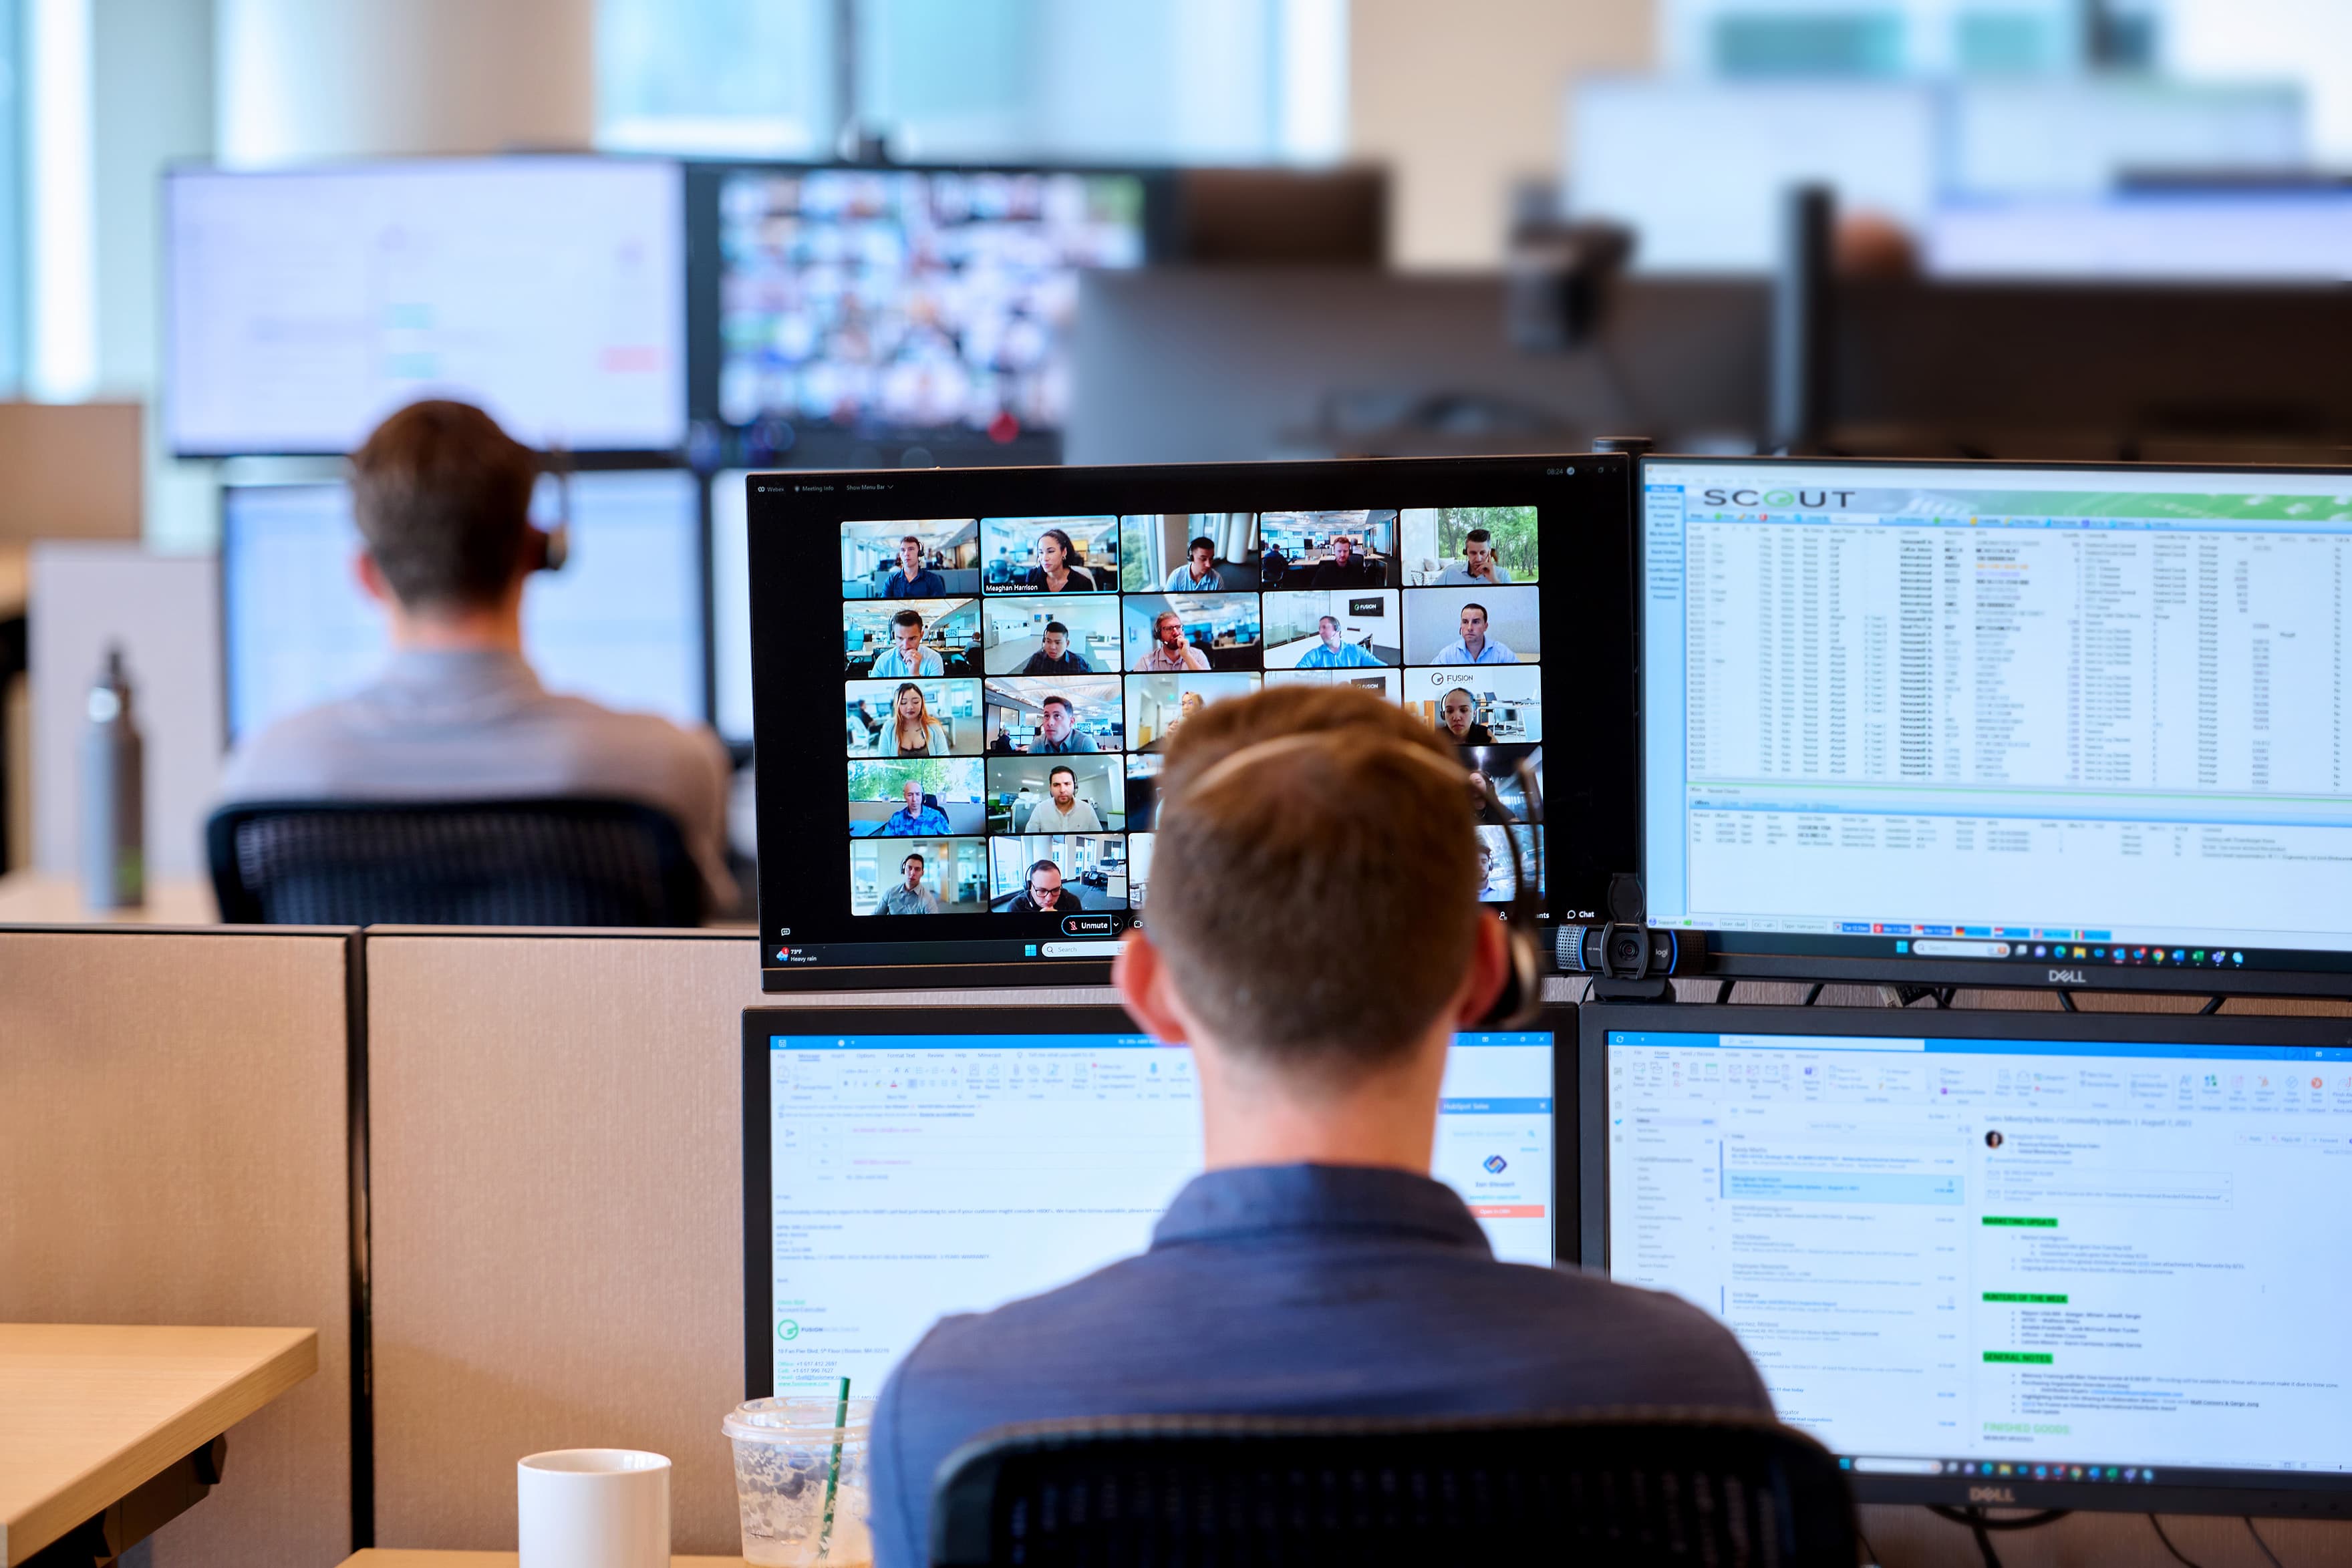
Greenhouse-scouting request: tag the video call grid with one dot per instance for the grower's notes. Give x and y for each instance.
(1071, 724)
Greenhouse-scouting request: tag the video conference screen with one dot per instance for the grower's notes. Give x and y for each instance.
(904, 307)
(978, 1169)
(621, 624)
(307, 305)
(1008, 654)
(2067, 719)
(2089, 1255)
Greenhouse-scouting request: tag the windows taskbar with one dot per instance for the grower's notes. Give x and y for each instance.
(1998, 1482)
(1084, 936)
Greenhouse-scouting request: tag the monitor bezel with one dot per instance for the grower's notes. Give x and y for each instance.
(1587, 612)
(834, 447)
(649, 456)
(1086, 1017)
(1597, 1019)
(1835, 957)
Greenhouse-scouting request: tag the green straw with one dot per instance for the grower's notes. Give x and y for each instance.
(833, 1473)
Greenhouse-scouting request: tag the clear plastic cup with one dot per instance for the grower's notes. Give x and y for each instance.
(790, 1454)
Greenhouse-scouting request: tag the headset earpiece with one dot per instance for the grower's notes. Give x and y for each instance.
(555, 541)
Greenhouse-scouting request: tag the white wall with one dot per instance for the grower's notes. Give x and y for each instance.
(1463, 99)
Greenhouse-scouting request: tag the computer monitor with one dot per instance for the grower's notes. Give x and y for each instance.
(622, 622)
(305, 305)
(975, 1155)
(963, 690)
(2292, 234)
(862, 317)
(731, 607)
(2003, 724)
(2075, 1261)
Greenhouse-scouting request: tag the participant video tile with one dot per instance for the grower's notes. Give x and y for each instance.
(1328, 550)
(1158, 704)
(903, 798)
(917, 876)
(1495, 860)
(1384, 682)
(1143, 769)
(1032, 716)
(935, 558)
(1472, 626)
(1333, 629)
(1189, 552)
(1050, 634)
(1079, 794)
(1168, 633)
(1050, 554)
(891, 639)
(1480, 705)
(1469, 547)
(935, 718)
(1056, 873)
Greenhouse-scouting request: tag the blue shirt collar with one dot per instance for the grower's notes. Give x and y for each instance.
(1260, 1200)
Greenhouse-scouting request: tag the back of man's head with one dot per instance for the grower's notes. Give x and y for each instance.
(1315, 902)
(441, 496)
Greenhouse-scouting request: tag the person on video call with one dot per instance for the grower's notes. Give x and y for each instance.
(1063, 812)
(1330, 652)
(912, 579)
(1057, 570)
(1199, 574)
(914, 819)
(912, 731)
(1058, 733)
(906, 655)
(1273, 566)
(1043, 895)
(1457, 712)
(1346, 1281)
(1346, 569)
(1054, 656)
(1168, 649)
(910, 896)
(442, 498)
(1474, 647)
(1478, 563)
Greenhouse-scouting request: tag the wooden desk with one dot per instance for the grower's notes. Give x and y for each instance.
(35, 898)
(89, 1414)
(380, 1557)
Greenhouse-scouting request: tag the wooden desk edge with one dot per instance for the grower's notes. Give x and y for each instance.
(92, 1492)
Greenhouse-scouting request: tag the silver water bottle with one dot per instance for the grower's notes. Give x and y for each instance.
(113, 795)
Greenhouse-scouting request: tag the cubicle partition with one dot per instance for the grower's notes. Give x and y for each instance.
(174, 1149)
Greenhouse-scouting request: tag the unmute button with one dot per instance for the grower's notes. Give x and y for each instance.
(1086, 925)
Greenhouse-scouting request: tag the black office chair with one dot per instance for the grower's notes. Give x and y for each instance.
(1723, 1489)
(473, 863)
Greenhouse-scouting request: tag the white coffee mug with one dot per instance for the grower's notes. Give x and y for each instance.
(593, 1507)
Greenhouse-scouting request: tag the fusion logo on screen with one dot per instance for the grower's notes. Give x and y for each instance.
(1779, 498)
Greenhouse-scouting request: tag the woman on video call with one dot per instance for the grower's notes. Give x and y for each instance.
(1057, 570)
(912, 731)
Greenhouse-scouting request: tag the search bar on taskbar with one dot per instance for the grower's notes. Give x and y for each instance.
(1939, 947)
(1077, 949)
(1869, 1465)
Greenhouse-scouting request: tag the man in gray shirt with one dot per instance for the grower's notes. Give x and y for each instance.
(1064, 813)
(441, 496)
(910, 896)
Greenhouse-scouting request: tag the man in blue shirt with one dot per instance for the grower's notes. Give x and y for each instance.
(1054, 655)
(915, 820)
(1474, 646)
(1199, 574)
(906, 658)
(913, 579)
(1315, 1269)
(1330, 654)
(1058, 733)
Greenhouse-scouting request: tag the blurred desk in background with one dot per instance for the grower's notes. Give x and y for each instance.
(39, 898)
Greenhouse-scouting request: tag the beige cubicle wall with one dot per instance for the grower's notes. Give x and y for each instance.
(557, 1215)
(174, 1150)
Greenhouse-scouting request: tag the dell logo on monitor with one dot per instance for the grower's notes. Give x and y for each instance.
(1992, 1494)
(2067, 977)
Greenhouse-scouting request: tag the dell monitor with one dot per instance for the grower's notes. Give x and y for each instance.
(977, 1155)
(2052, 1261)
(2000, 724)
(304, 305)
(1010, 652)
(622, 622)
(866, 317)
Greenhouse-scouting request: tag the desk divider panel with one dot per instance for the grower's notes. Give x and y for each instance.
(174, 1149)
(557, 1206)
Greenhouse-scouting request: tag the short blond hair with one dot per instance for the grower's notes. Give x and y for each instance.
(1366, 829)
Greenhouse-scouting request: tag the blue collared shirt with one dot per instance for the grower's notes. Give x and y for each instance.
(892, 666)
(1181, 579)
(1078, 740)
(1346, 656)
(918, 823)
(925, 584)
(1458, 653)
(1294, 1290)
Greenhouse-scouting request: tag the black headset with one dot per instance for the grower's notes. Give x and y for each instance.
(555, 546)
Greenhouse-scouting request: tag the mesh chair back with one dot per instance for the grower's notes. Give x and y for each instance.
(1717, 1490)
(476, 862)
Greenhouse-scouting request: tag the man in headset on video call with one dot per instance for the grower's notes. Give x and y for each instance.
(1315, 1269)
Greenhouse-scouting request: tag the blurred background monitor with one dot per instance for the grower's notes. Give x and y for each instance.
(622, 622)
(731, 608)
(305, 306)
(2084, 135)
(2289, 233)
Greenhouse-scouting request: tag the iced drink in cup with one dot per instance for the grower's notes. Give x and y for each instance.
(796, 1457)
